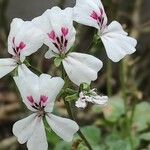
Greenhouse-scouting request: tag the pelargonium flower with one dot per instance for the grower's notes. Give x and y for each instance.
(23, 40)
(116, 41)
(39, 94)
(57, 25)
(92, 97)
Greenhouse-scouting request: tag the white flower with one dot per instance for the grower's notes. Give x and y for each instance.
(91, 97)
(57, 26)
(23, 40)
(38, 94)
(116, 41)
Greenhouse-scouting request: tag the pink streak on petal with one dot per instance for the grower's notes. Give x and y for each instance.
(30, 99)
(13, 40)
(52, 35)
(101, 11)
(64, 31)
(43, 100)
(94, 15)
(22, 45)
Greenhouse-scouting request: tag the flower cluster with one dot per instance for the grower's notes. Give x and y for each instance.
(55, 29)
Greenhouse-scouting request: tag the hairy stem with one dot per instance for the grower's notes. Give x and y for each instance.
(109, 78)
(70, 113)
(123, 89)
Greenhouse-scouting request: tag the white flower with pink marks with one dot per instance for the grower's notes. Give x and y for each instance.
(116, 41)
(57, 25)
(23, 40)
(39, 94)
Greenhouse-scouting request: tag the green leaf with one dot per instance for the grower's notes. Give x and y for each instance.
(115, 109)
(57, 61)
(141, 117)
(81, 146)
(84, 87)
(114, 142)
(145, 136)
(63, 146)
(71, 97)
(92, 134)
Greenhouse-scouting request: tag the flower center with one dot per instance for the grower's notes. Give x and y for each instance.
(17, 49)
(40, 105)
(60, 42)
(98, 17)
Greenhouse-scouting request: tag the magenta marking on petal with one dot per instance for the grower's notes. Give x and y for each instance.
(101, 11)
(64, 31)
(94, 15)
(30, 99)
(43, 100)
(52, 35)
(22, 45)
(13, 40)
(17, 49)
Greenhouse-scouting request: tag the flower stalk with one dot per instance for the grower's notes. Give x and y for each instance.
(70, 113)
(123, 89)
(109, 78)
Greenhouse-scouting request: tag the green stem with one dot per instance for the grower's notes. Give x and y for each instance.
(70, 113)
(109, 78)
(123, 89)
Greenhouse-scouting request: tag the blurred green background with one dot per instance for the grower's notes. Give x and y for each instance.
(125, 123)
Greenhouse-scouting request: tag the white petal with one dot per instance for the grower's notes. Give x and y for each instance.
(80, 103)
(50, 87)
(24, 32)
(28, 86)
(15, 27)
(23, 129)
(100, 100)
(116, 42)
(81, 67)
(83, 10)
(53, 20)
(50, 54)
(64, 128)
(38, 140)
(6, 66)
(24, 71)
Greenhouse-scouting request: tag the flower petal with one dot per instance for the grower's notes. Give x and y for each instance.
(50, 87)
(81, 67)
(64, 128)
(24, 38)
(38, 140)
(15, 26)
(116, 42)
(24, 71)
(50, 54)
(88, 12)
(57, 26)
(80, 103)
(100, 100)
(23, 129)
(6, 66)
(28, 86)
